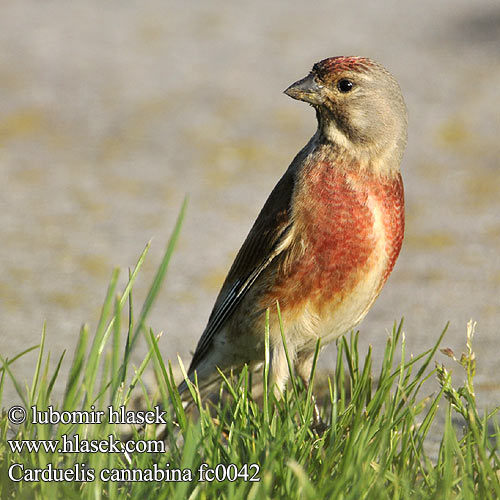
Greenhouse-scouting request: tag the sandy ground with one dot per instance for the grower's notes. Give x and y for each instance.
(111, 112)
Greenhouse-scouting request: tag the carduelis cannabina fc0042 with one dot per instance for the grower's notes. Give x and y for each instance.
(327, 237)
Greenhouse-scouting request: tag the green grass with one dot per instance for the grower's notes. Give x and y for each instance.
(375, 446)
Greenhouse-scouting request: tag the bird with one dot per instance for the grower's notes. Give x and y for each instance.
(326, 239)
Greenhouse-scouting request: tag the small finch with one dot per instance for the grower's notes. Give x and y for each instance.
(327, 237)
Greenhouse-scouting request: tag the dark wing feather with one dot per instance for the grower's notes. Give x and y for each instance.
(258, 250)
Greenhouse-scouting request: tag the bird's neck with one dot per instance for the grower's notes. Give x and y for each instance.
(379, 159)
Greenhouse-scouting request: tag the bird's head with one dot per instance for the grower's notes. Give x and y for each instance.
(359, 105)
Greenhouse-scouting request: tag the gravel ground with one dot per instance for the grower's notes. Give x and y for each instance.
(110, 112)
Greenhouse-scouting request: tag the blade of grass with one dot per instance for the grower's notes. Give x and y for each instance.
(21, 354)
(73, 388)
(160, 275)
(54, 376)
(34, 384)
(266, 370)
(289, 361)
(17, 386)
(115, 351)
(99, 341)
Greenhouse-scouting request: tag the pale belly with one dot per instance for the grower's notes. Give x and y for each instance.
(336, 316)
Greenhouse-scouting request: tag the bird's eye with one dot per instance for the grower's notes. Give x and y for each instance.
(345, 85)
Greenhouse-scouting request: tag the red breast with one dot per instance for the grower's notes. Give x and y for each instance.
(341, 218)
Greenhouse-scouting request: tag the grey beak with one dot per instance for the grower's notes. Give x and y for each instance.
(307, 90)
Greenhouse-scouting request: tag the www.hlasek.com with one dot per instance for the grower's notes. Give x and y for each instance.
(18, 472)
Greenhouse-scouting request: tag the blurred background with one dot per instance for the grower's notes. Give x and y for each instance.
(111, 112)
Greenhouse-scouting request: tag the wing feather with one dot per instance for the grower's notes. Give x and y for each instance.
(264, 242)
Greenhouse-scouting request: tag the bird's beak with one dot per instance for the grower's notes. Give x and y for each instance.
(307, 90)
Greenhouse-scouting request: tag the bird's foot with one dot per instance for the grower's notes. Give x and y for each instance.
(318, 425)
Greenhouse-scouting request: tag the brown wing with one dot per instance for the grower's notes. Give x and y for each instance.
(259, 249)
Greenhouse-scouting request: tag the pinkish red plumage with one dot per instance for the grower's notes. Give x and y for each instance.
(336, 64)
(338, 253)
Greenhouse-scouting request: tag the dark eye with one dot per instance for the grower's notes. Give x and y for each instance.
(345, 85)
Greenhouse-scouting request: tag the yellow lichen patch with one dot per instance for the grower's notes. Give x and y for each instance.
(11, 80)
(225, 162)
(126, 185)
(434, 274)
(29, 175)
(461, 138)
(432, 241)
(152, 31)
(21, 273)
(483, 186)
(212, 281)
(167, 192)
(493, 233)
(208, 24)
(453, 133)
(95, 265)
(470, 258)
(185, 297)
(489, 310)
(153, 220)
(64, 299)
(414, 211)
(21, 123)
(218, 178)
(232, 108)
(112, 147)
(8, 296)
(89, 202)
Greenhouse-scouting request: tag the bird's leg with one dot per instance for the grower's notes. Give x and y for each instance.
(278, 370)
(303, 366)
